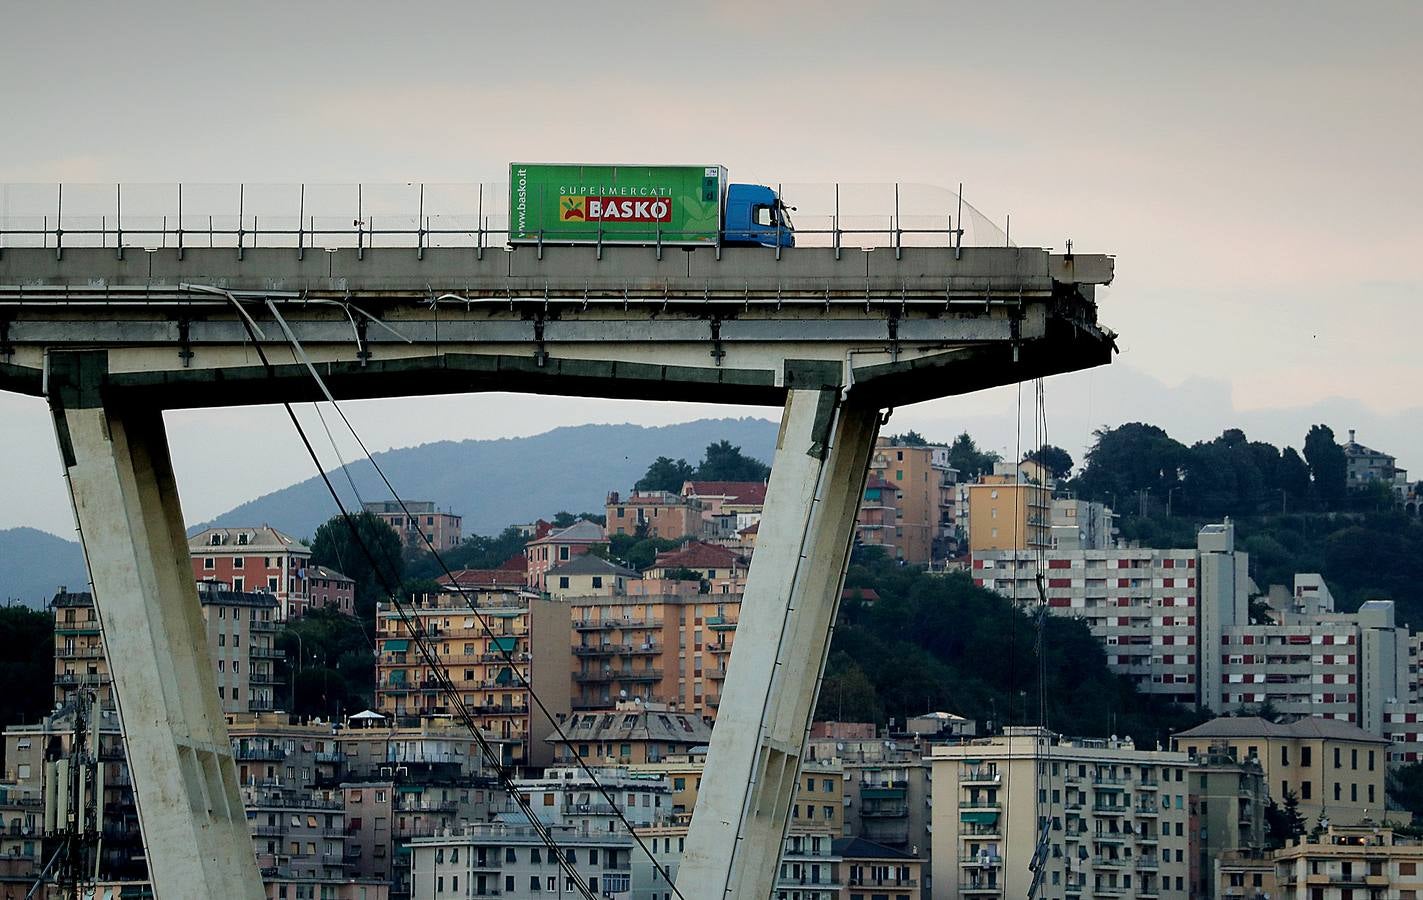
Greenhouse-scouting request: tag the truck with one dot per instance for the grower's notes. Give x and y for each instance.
(684, 206)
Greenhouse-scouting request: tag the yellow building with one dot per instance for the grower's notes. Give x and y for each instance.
(1350, 862)
(1335, 769)
(1007, 512)
(527, 632)
(908, 503)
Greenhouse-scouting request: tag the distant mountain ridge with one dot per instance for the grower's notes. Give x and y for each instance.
(491, 483)
(495, 483)
(35, 564)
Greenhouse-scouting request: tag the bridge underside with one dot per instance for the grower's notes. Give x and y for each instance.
(833, 338)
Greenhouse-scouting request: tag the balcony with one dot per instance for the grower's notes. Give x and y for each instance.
(721, 623)
(266, 653)
(79, 652)
(973, 776)
(980, 887)
(75, 679)
(1110, 809)
(719, 648)
(982, 860)
(259, 754)
(1108, 862)
(1147, 863)
(1146, 809)
(594, 650)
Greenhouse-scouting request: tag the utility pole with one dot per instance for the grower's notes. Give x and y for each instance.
(73, 800)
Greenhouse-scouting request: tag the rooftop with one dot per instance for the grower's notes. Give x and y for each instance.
(1308, 728)
(859, 848)
(328, 574)
(739, 492)
(580, 532)
(250, 539)
(590, 564)
(697, 555)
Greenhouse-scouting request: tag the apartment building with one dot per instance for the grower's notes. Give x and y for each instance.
(656, 514)
(876, 871)
(1082, 525)
(810, 868)
(241, 629)
(511, 575)
(908, 506)
(722, 571)
(1350, 862)
(1160, 614)
(1351, 667)
(417, 521)
(666, 648)
(1336, 769)
(330, 589)
(1103, 818)
(557, 546)
(888, 790)
(525, 632)
(1227, 804)
(631, 733)
(1363, 466)
(728, 507)
(589, 575)
(1245, 875)
(494, 859)
(1007, 511)
(255, 559)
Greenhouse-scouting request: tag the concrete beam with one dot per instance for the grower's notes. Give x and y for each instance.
(190, 809)
(787, 615)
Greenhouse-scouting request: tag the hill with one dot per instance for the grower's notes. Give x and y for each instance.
(34, 564)
(493, 483)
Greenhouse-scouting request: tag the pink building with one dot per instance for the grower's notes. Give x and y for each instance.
(722, 569)
(260, 559)
(417, 520)
(329, 588)
(559, 545)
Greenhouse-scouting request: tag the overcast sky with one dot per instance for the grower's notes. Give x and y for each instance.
(1253, 167)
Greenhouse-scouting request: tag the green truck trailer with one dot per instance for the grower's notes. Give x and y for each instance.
(625, 204)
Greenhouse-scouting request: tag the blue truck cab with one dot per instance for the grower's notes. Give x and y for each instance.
(756, 217)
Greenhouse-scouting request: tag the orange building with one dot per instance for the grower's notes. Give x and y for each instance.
(908, 507)
(667, 648)
(1007, 512)
(559, 545)
(657, 514)
(721, 569)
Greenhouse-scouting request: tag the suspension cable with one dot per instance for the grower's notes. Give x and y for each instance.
(502, 773)
(503, 650)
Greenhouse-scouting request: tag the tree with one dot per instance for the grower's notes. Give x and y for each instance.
(724, 462)
(1283, 824)
(1129, 461)
(475, 552)
(329, 665)
(665, 474)
(1056, 460)
(910, 438)
(26, 666)
(1327, 466)
(371, 557)
(1293, 478)
(968, 460)
(1404, 785)
(846, 693)
(563, 519)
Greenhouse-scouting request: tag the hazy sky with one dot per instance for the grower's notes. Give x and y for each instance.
(1253, 167)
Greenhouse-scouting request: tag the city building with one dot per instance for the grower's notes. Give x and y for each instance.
(1312, 661)
(655, 514)
(1160, 614)
(875, 871)
(1244, 875)
(1227, 800)
(667, 648)
(557, 546)
(1363, 466)
(810, 868)
(255, 559)
(729, 508)
(1102, 818)
(630, 734)
(1335, 769)
(1082, 525)
(908, 507)
(1007, 511)
(511, 575)
(568, 796)
(478, 651)
(330, 589)
(1350, 862)
(241, 629)
(418, 521)
(721, 570)
(496, 859)
(589, 575)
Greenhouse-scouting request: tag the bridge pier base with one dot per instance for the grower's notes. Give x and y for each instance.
(120, 478)
(787, 614)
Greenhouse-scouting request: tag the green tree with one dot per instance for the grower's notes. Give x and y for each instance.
(1327, 466)
(370, 557)
(1056, 460)
(26, 666)
(1283, 823)
(725, 462)
(665, 474)
(846, 693)
(968, 460)
(329, 666)
(909, 438)
(1404, 785)
(1129, 461)
(1293, 480)
(564, 519)
(475, 552)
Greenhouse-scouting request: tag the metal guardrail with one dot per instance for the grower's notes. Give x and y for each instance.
(421, 216)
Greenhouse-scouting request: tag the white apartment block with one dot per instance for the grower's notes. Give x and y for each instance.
(1104, 819)
(494, 860)
(1154, 610)
(1313, 661)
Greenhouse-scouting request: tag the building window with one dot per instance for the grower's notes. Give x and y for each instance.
(209, 563)
(597, 581)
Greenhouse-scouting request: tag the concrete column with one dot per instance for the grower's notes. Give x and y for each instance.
(792, 594)
(120, 479)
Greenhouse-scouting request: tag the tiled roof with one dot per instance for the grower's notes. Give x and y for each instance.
(636, 724)
(329, 574)
(260, 538)
(859, 848)
(484, 578)
(751, 492)
(696, 555)
(580, 532)
(753, 528)
(1254, 726)
(591, 564)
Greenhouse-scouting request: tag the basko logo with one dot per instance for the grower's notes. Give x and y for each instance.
(614, 209)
